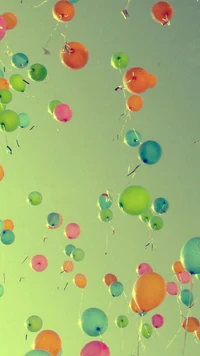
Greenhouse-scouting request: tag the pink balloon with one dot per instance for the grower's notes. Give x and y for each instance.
(172, 288)
(2, 27)
(95, 348)
(144, 268)
(157, 321)
(39, 263)
(2, 33)
(62, 113)
(183, 277)
(72, 231)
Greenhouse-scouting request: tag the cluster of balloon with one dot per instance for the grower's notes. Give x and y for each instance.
(8, 21)
(61, 112)
(46, 343)
(162, 12)
(105, 203)
(115, 287)
(6, 232)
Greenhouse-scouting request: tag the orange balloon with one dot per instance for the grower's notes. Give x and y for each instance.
(74, 55)
(136, 80)
(177, 267)
(8, 225)
(197, 333)
(133, 306)
(190, 324)
(162, 12)
(63, 11)
(68, 266)
(109, 278)
(49, 341)
(149, 291)
(10, 19)
(152, 80)
(4, 83)
(80, 280)
(1, 173)
(134, 103)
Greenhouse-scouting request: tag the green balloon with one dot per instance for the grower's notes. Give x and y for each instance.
(77, 254)
(2, 107)
(106, 215)
(17, 83)
(7, 237)
(197, 276)
(37, 72)
(119, 60)
(5, 96)
(156, 223)
(121, 321)
(34, 198)
(1, 290)
(34, 323)
(146, 216)
(38, 353)
(52, 105)
(134, 200)
(147, 331)
(9, 120)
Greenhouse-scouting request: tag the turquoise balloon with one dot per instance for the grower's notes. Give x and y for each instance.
(73, 1)
(133, 138)
(1, 290)
(105, 201)
(116, 289)
(190, 255)
(53, 219)
(20, 60)
(37, 353)
(68, 249)
(186, 297)
(24, 120)
(94, 322)
(1, 74)
(7, 237)
(1, 225)
(150, 152)
(160, 205)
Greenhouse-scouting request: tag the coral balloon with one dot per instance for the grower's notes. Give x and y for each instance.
(134, 103)
(10, 20)
(1, 173)
(109, 278)
(136, 80)
(177, 267)
(162, 12)
(72, 231)
(152, 80)
(144, 268)
(190, 324)
(95, 348)
(49, 341)
(183, 277)
(80, 280)
(68, 266)
(172, 288)
(63, 11)
(39, 263)
(74, 55)
(4, 83)
(62, 113)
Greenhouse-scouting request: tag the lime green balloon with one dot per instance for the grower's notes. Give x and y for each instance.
(121, 321)
(34, 198)
(2, 107)
(1, 290)
(156, 223)
(147, 331)
(5, 96)
(17, 83)
(197, 276)
(106, 215)
(134, 200)
(77, 254)
(37, 72)
(34, 323)
(146, 216)
(52, 105)
(9, 120)
(119, 60)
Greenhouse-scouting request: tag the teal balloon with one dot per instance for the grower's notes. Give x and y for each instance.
(150, 152)
(1, 74)
(105, 201)
(53, 219)
(190, 255)
(1, 290)
(24, 120)
(94, 322)
(186, 297)
(77, 254)
(7, 237)
(73, 1)
(116, 289)
(37, 353)
(1, 225)
(68, 249)
(20, 60)
(160, 205)
(133, 138)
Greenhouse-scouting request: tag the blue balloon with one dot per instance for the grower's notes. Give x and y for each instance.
(24, 120)
(1, 290)
(20, 60)
(37, 353)
(150, 152)
(53, 219)
(1, 74)
(160, 205)
(186, 297)
(68, 249)
(116, 289)
(94, 322)
(105, 201)
(7, 237)
(190, 255)
(133, 138)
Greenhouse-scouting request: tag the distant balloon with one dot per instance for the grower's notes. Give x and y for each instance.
(37, 353)
(2, 27)
(1, 290)
(190, 255)
(77, 254)
(74, 55)
(133, 138)
(160, 205)
(134, 200)
(20, 60)
(17, 83)
(172, 288)
(73, 1)
(9, 120)
(7, 237)
(122, 321)
(52, 105)
(80, 280)
(39, 263)
(54, 220)
(1, 71)
(105, 201)
(95, 348)
(1, 225)
(10, 19)
(190, 324)
(157, 321)
(34, 198)
(72, 231)
(156, 223)
(134, 103)
(63, 11)
(68, 249)
(5, 96)
(184, 277)
(105, 215)
(62, 113)
(34, 323)
(119, 60)
(1, 174)
(146, 216)
(94, 322)
(37, 72)
(144, 268)
(152, 80)
(49, 341)
(136, 80)
(8, 225)
(150, 152)
(116, 289)
(162, 12)
(186, 297)
(4, 83)
(68, 266)
(177, 267)
(109, 278)
(147, 330)
(24, 120)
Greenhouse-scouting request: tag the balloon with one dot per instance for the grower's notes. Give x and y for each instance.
(54, 220)
(105, 201)
(156, 223)
(136, 80)
(149, 291)
(197, 333)
(72, 231)
(20, 60)
(116, 289)
(109, 278)
(17, 83)
(74, 55)
(2, 33)
(1, 72)
(122, 321)
(37, 72)
(186, 297)
(2, 106)
(39, 263)
(77, 254)
(132, 138)
(8, 225)
(1, 173)
(9, 120)
(10, 19)
(5, 96)
(68, 266)
(160, 205)
(24, 120)
(157, 321)
(134, 200)
(1, 290)
(184, 277)
(94, 322)
(197, 276)
(190, 324)
(62, 113)
(73, 1)
(162, 12)
(190, 255)
(63, 11)
(1, 225)
(4, 83)
(150, 152)
(95, 348)
(119, 60)
(34, 198)
(7, 237)
(134, 307)
(134, 103)
(68, 249)
(172, 288)
(146, 216)
(2, 30)
(49, 341)
(152, 80)
(144, 268)
(52, 105)
(80, 280)
(147, 331)
(34, 323)
(177, 267)
(106, 215)
(38, 353)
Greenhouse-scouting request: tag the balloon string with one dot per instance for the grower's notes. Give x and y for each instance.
(81, 303)
(173, 338)
(51, 35)
(109, 306)
(42, 3)
(122, 342)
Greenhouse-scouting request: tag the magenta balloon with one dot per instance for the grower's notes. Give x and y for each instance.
(2, 27)
(39, 263)
(62, 113)
(95, 348)
(72, 231)
(172, 288)
(183, 277)
(144, 268)
(157, 321)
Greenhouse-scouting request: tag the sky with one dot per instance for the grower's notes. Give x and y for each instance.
(72, 164)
